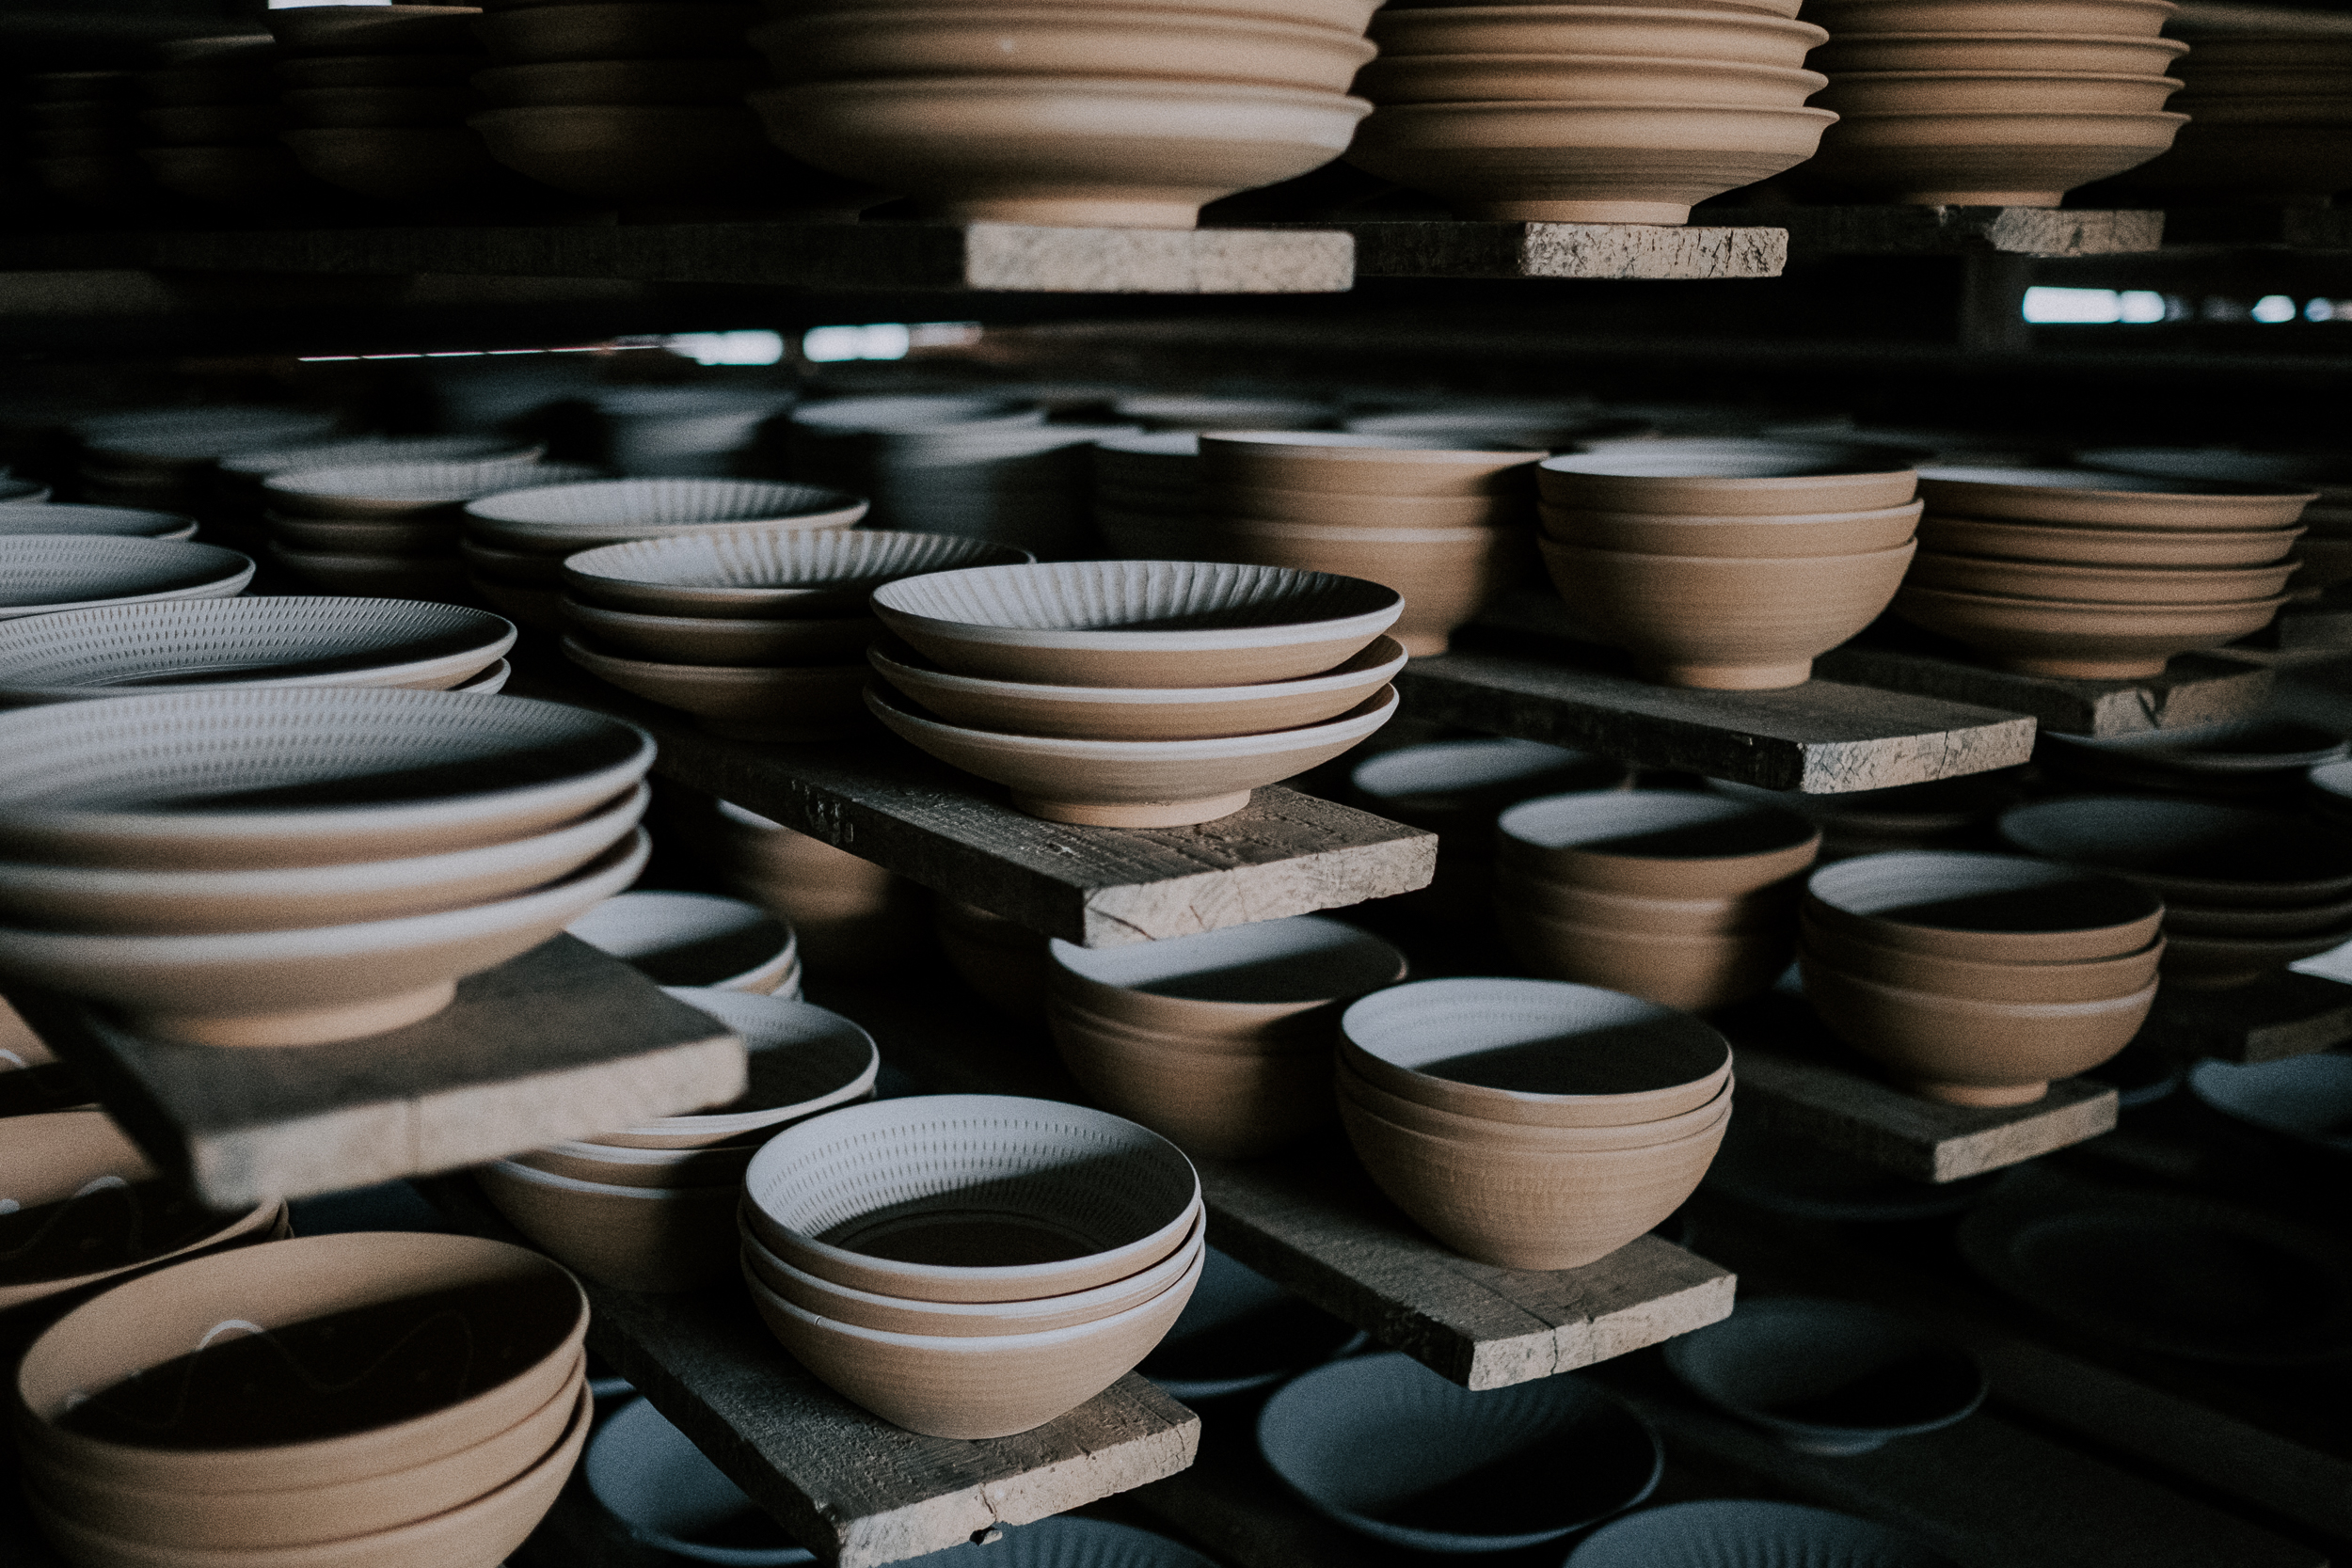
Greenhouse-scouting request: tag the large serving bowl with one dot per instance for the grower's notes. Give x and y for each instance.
(1730, 479)
(798, 574)
(2077, 640)
(1657, 844)
(1982, 908)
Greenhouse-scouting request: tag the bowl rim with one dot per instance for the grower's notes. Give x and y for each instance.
(892, 706)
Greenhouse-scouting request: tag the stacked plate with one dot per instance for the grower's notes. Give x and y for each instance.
(2015, 111)
(2245, 891)
(1130, 119)
(2270, 119)
(342, 890)
(162, 459)
(683, 432)
(1684, 899)
(238, 500)
(1550, 426)
(212, 121)
(2076, 573)
(848, 913)
(2245, 759)
(42, 574)
(1976, 979)
(2324, 554)
(1727, 564)
(388, 527)
(696, 939)
(1588, 114)
(1147, 494)
(1002, 960)
(1530, 1124)
(652, 1208)
(1433, 519)
(1221, 1042)
(757, 634)
(969, 1265)
(1200, 412)
(1135, 693)
(392, 1397)
(31, 514)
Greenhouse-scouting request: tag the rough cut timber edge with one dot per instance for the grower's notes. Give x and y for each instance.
(1896, 230)
(2285, 1015)
(2196, 689)
(1407, 247)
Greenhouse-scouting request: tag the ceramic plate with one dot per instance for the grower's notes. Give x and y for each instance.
(1750, 1535)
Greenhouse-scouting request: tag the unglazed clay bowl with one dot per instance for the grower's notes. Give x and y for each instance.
(2005, 51)
(1726, 623)
(1540, 1053)
(329, 777)
(967, 1387)
(1477, 1131)
(376, 30)
(2106, 547)
(1262, 987)
(1729, 479)
(1982, 908)
(679, 29)
(692, 939)
(802, 1060)
(416, 487)
(814, 574)
(1214, 1098)
(1132, 784)
(2220, 963)
(1341, 508)
(2087, 980)
(2087, 497)
(1444, 575)
(1906, 92)
(563, 519)
(1396, 466)
(970, 1197)
(2108, 585)
(1770, 909)
(42, 574)
(1585, 78)
(1971, 1050)
(711, 640)
(633, 1237)
(2137, 18)
(2079, 641)
(2200, 853)
(1138, 623)
(346, 451)
(67, 518)
(1108, 151)
(1657, 844)
(1645, 33)
(1691, 972)
(404, 163)
(715, 80)
(778, 702)
(1802, 534)
(656, 154)
(719, 1165)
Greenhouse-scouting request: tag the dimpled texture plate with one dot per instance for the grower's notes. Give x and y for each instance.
(41, 574)
(128, 649)
(1067, 1543)
(1750, 1535)
(1133, 597)
(371, 451)
(609, 511)
(424, 483)
(120, 521)
(751, 574)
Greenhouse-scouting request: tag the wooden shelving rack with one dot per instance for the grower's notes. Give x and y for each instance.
(1953, 231)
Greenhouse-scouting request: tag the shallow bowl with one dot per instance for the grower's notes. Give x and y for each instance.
(802, 1060)
(45, 574)
(1982, 908)
(1646, 33)
(1527, 77)
(692, 939)
(46, 516)
(780, 703)
(2078, 640)
(2007, 49)
(711, 640)
(1685, 1535)
(1658, 844)
(817, 574)
(563, 519)
(2108, 585)
(381, 491)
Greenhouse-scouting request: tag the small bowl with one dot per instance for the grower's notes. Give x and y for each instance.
(381, 491)
(129, 522)
(1700, 1535)
(1215, 1101)
(652, 1478)
(2197, 852)
(2077, 641)
(1804, 534)
(783, 703)
(692, 939)
(1730, 479)
(1690, 973)
(655, 1239)
(801, 1059)
(50, 572)
(1479, 1132)
(1982, 908)
(696, 639)
(1387, 466)
(565, 520)
(1657, 844)
(1389, 1450)
(2113, 585)
(1261, 987)
(2086, 498)
(1073, 1199)
(815, 574)
(2090, 980)
(2106, 547)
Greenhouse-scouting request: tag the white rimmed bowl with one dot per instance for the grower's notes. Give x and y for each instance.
(711, 640)
(1657, 844)
(1982, 908)
(1249, 988)
(767, 702)
(2200, 853)
(651, 1239)
(44, 574)
(692, 938)
(564, 519)
(382, 491)
(68, 518)
(810, 573)
(802, 1060)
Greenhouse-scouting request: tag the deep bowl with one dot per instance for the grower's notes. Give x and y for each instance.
(1393, 467)
(1657, 844)
(1982, 908)
(2078, 640)
(1212, 1098)
(1691, 972)
(2197, 852)
(1445, 575)
(1265, 986)
(768, 703)
(1730, 479)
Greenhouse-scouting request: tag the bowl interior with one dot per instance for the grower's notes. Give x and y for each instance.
(1965, 892)
(1655, 825)
(1843, 1365)
(1134, 596)
(1303, 959)
(1535, 1037)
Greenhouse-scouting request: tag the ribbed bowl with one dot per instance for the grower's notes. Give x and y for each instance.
(814, 574)
(802, 1060)
(1657, 844)
(30, 518)
(777, 702)
(43, 574)
(1750, 1535)
(566, 518)
(391, 489)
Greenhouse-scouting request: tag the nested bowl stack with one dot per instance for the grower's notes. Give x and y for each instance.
(1135, 693)
(212, 121)
(850, 914)
(1147, 495)
(969, 1265)
(2324, 553)
(1683, 900)
(1530, 1124)
(383, 844)
(1551, 426)
(388, 527)
(2245, 891)
(374, 1398)
(652, 1207)
(164, 459)
(239, 501)
(696, 939)
(1220, 1043)
(1727, 564)
(697, 430)
(1586, 114)
(2270, 121)
(48, 574)
(1975, 980)
(1130, 117)
(2076, 573)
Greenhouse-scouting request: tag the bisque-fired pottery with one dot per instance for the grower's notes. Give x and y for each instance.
(768, 703)
(1657, 844)
(2010, 50)
(1963, 92)
(2111, 585)
(820, 574)
(2077, 640)
(1470, 78)
(1650, 33)
(1989, 157)
(1767, 911)
(2087, 497)
(2132, 18)
(802, 1060)
(1982, 908)
(633, 1237)
(2106, 547)
(717, 1165)
(415, 487)
(563, 519)
(1223, 1103)
(1804, 534)
(847, 912)
(1444, 575)
(1392, 467)
(2082, 981)
(1690, 971)
(42, 574)
(1706, 478)
(679, 29)
(692, 939)
(711, 640)
(1341, 508)
(68, 517)
(1451, 1127)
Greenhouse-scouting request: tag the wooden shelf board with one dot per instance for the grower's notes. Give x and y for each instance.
(853, 1488)
(1284, 854)
(558, 1042)
(2286, 1014)
(1902, 231)
(2196, 689)
(1427, 247)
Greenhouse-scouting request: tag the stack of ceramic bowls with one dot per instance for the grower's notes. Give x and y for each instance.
(845, 442)
(239, 501)
(1199, 412)
(1687, 900)
(1431, 519)
(1221, 1042)
(388, 527)
(848, 913)
(2246, 759)
(2245, 891)
(144, 648)
(1530, 1124)
(163, 458)
(2104, 577)
(758, 635)
(23, 491)
(42, 574)
(696, 939)
(80, 127)
(1001, 960)
(1132, 118)
(1546, 426)
(514, 544)
(393, 129)
(1976, 979)
(33, 516)
(1135, 693)
(1727, 564)
(1942, 814)
(2324, 554)
(212, 120)
(1147, 494)
(652, 1208)
(387, 1398)
(352, 907)
(2014, 112)
(1585, 113)
(683, 432)
(2270, 119)
(969, 1265)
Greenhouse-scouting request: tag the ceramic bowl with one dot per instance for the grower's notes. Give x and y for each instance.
(698, 639)
(428, 546)
(2133, 18)
(714, 80)
(1692, 972)
(1964, 92)
(1263, 986)
(717, 1165)
(2303, 1100)
(563, 519)
(1588, 78)
(420, 489)
(2320, 471)
(279, 641)
(664, 153)
(1804, 534)
(1339, 508)
(343, 776)
(657, 1238)
(692, 939)
(407, 163)
(1690, 1535)
(1444, 575)
(2257, 756)
(2010, 50)
(2088, 980)
(1455, 788)
(1647, 33)
(347, 451)
(1539, 1053)
(778, 702)
(387, 30)
(1657, 844)
(2111, 585)
(128, 522)
(1451, 1128)
(1133, 784)
(662, 1489)
(1217, 1101)
(1391, 1449)
(2077, 641)
(1730, 479)
(532, 35)
(2087, 497)
(1982, 908)
(2300, 920)
(1390, 466)
(2198, 852)
(1117, 152)
(1068, 1199)
(44, 574)
(969, 1386)
(517, 569)
(1770, 910)
(820, 574)
(1724, 622)
(2021, 542)
(848, 913)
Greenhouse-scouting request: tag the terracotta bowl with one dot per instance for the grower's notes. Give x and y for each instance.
(1647, 33)
(1214, 1101)
(988, 40)
(682, 29)
(2108, 585)
(718, 1165)
(1456, 788)
(2088, 980)
(666, 153)
(1138, 623)
(968, 1386)
(2078, 640)
(1390, 465)
(1725, 624)
(1904, 92)
(1341, 508)
(1539, 1053)
(970, 1197)
(1267, 986)
(1657, 844)
(2134, 18)
(2220, 963)
(1115, 153)
(44, 574)
(1691, 973)
(2011, 50)
(713, 80)
(1583, 78)
(405, 164)
(1517, 1209)
(1966, 1051)
(2019, 158)
(816, 573)
(1444, 575)
(692, 939)
(2106, 547)
(2202, 853)
(1802, 534)
(564, 519)
(416, 487)
(1982, 908)
(778, 702)
(804, 1060)
(22, 517)
(655, 1239)
(2087, 497)
(1477, 1131)
(1771, 910)
(347, 776)
(1730, 479)
(699, 639)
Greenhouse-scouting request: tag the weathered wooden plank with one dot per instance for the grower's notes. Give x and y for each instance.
(2196, 689)
(1893, 230)
(2285, 1015)
(558, 1042)
(1427, 247)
